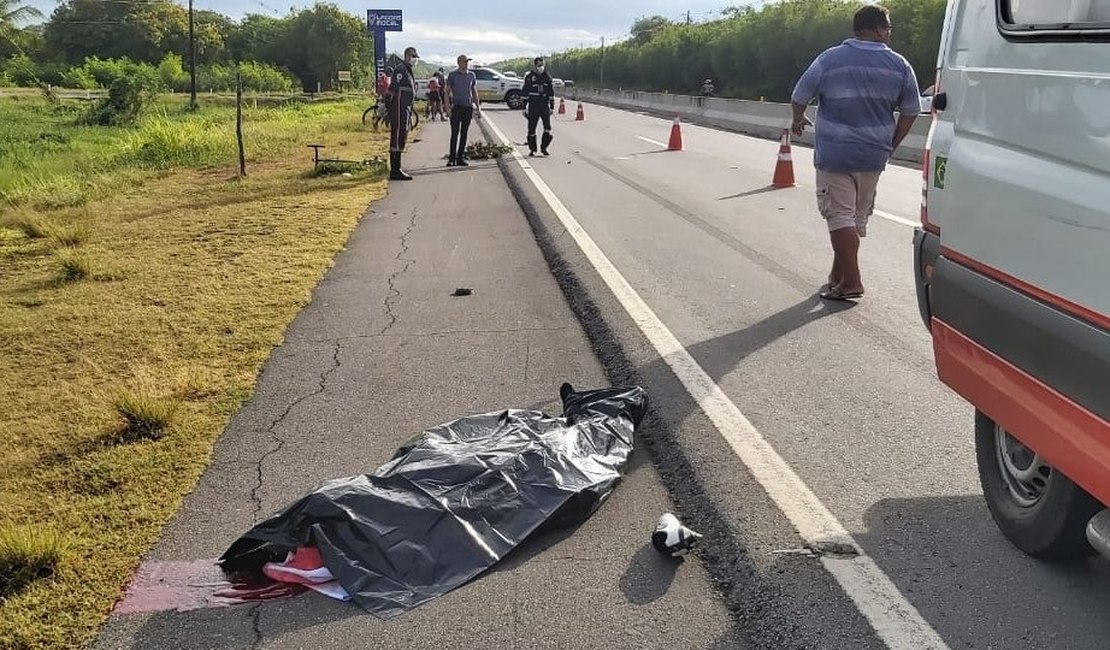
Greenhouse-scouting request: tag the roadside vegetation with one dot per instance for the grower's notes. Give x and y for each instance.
(143, 282)
(748, 52)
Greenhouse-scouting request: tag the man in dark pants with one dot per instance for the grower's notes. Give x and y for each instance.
(462, 97)
(402, 90)
(540, 95)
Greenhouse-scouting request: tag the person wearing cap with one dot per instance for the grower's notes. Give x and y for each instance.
(539, 92)
(402, 90)
(462, 97)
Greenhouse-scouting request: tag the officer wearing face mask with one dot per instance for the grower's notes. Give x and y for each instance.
(540, 95)
(402, 91)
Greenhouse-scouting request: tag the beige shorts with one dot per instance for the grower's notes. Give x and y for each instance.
(847, 200)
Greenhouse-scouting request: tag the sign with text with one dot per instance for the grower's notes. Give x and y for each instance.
(383, 20)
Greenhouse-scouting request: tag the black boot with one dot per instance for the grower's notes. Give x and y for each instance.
(531, 145)
(395, 171)
(544, 141)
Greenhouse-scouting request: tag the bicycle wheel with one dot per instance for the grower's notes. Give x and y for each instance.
(414, 119)
(373, 109)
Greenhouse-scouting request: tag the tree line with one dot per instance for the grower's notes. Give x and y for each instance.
(80, 39)
(749, 53)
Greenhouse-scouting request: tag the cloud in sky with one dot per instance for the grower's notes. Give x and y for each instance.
(493, 30)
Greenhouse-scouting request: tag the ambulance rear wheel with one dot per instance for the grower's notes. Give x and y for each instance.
(1041, 511)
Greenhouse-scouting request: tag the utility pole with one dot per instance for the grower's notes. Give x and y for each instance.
(602, 82)
(192, 61)
(687, 16)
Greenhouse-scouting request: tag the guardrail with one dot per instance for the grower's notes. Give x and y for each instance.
(761, 119)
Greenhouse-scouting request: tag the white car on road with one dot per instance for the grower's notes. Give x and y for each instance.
(496, 86)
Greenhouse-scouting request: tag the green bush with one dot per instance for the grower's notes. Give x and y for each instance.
(5, 80)
(125, 100)
(51, 73)
(79, 78)
(258, 77)
(172, 74)
(749, 52)
(107, 71)
(22, 70)
(265, 78)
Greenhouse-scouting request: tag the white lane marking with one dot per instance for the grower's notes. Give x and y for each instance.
(896, 219)
(895, 620)
(878, 213)
(654, 142)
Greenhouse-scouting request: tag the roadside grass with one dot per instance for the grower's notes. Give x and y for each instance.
(145, 416)
(74, 265)
(27, 554)
(116, 386)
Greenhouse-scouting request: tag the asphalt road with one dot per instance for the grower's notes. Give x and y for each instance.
(383, 351)
(848, 397)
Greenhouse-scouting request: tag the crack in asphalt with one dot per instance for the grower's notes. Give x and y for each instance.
(278, 441)
(527, 358)
(256, 625)
(393, 291)
(424, 335)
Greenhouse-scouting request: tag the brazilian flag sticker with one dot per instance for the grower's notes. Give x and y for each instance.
(938, 172)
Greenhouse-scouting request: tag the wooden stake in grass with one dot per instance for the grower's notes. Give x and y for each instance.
(27, 554)
(145, 416)
(239, 122)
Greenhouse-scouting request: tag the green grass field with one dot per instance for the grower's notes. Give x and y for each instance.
(142, 285)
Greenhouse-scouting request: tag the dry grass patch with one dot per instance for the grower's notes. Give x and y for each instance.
(145, 416)
(27, 554)
(69, 235)
(74, 265)
(31, 225)
(209, 272)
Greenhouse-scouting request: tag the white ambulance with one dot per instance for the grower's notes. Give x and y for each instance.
(1013, 258)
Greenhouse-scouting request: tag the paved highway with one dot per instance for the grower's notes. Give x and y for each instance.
(846, 398)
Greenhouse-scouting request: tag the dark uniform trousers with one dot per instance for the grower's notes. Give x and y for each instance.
(403, 94)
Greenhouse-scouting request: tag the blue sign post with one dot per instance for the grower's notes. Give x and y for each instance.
(378, 22)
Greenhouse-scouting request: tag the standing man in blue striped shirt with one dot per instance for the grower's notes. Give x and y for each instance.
(858, 85)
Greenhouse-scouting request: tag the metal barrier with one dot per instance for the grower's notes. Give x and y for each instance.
(761, 119)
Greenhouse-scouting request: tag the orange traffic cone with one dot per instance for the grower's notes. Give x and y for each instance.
(562, 106)
(784, 168)
(676, 137)
(581, 114)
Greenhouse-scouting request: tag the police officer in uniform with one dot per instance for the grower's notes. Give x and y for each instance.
(402, 90)
(540, 95)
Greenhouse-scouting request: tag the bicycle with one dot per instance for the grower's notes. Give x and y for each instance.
(379, 115)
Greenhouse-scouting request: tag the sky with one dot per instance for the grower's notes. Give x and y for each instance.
(492, 30)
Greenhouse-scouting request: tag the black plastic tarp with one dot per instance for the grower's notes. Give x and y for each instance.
(455, 499)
